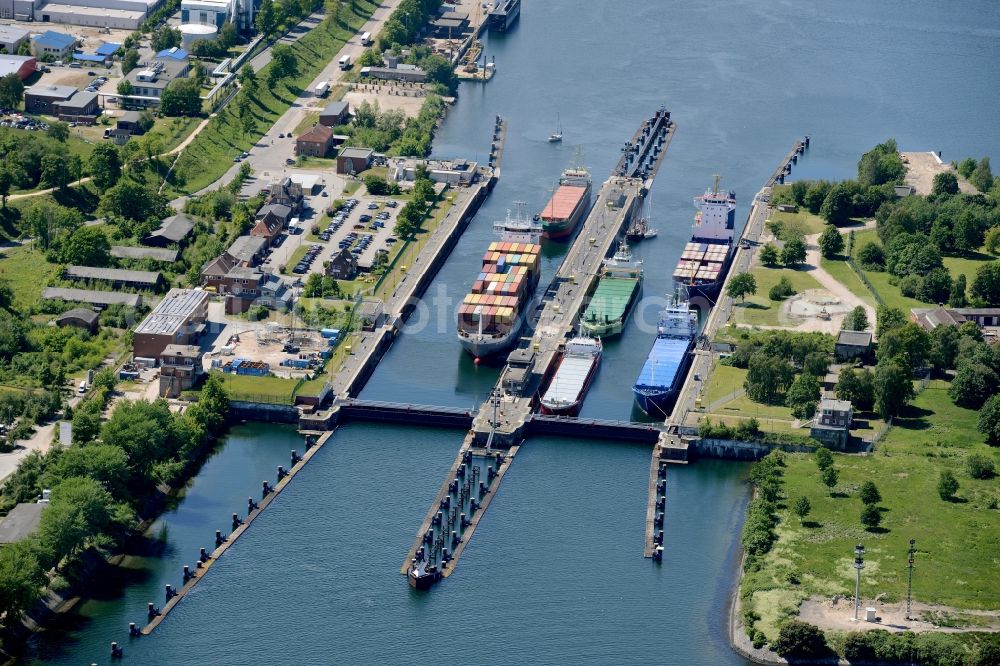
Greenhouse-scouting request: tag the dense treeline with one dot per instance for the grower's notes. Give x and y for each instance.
(391, 131)
(99, 486)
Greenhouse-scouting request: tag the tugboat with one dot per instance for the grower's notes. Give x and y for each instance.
(421, 575)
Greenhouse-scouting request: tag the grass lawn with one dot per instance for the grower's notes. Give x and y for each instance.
(274, 390)
(846, 276)
(27, 272)
(957, 563)
(350, 187)
(172, 131)
(967, 266)
(211, 153)
(802, 223)
(310, 119)
(410, 249)
(722, 382)
(759, 310)
(726, 379)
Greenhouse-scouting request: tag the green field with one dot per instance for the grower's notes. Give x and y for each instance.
(802, 223)
(27, 272)
(273, 390)
(845, 275)
(957, 541)
(211, 153)
(759, 310)
(721, 384)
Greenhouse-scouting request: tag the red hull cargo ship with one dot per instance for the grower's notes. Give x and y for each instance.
(569, 203)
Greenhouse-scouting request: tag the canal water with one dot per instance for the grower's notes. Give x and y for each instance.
(554, 572)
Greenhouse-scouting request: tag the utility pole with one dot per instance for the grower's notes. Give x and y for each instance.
(909, 583)
(859, 564)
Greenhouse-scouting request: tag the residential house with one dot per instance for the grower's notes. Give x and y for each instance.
(131, 122)
(286, 192)
(987, 319)
(342, 266)
(832, 423)
(174, 229)
(276, 213)
(57, 45)
(317, 141)
(268, 227)
(335, 113)
(180, 367)
(245, 252)
(853, 344)
(354, 160)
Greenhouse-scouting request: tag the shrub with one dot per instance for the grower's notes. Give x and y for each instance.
(947, 485)
(782, 290)
(979, 466)
(824, 459)
(871, 517)
(802, 640)
(869, 493)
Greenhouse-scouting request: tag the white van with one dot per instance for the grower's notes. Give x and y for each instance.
(366, 39)
(345, 62)
(83, 387)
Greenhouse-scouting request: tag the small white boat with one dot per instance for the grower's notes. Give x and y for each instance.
(556, 136)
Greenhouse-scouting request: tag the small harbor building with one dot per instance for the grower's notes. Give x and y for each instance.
(832, 423)
(853, 344)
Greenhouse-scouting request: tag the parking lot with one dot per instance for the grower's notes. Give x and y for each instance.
(364, 226)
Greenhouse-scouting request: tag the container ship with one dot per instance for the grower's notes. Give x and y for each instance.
(492, 314)
(664, 370)
(619, 285)
(577, 367)
(568, 205)
(705, 261)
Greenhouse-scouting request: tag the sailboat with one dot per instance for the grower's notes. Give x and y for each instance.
(640, 228)
(556, 136)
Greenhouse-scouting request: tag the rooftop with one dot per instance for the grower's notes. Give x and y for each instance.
(357, 153)
(81, 100)
(55, 40)
(92, 296)
(107, 48)
(855, 338)
(82, 314)
(320, 133)
(181, 351)
(334, 109)
(112, 274)
(50, 91)
(12, 64)
(174, 228)
(245, 248)
(174, 53)
(11, 33)
(828, 404)
(95, 12)
(157, 253)
(21, 522)
(173, 312)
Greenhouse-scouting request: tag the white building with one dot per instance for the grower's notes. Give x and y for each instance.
(205, 12)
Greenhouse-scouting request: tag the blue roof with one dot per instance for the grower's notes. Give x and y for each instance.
(86, 57)
(174, 53)
(108, 48)
(57, 40)
(663, 363)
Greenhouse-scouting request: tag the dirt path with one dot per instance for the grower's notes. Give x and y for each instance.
(815, 269)
(826, 614)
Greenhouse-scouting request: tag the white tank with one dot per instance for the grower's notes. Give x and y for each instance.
(194, 32)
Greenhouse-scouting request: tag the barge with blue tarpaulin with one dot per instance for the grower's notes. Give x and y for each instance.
(663, 373)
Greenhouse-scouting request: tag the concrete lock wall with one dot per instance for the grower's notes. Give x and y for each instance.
(735, 450)
(256, 411)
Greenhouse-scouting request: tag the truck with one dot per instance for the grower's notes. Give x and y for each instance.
(366, 39)
(345, 62)
(322, 89)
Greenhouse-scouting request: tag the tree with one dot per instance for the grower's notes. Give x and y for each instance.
(947, 485)
(966, 167)
(125, 88)
(871, 517)
(181, 97)
(871, 256)
(129, 62)
(794, 252)
(824, 459)
(945, 183)
(831, 242)
(803, 395)
(55, 172)
(768, 378)
(893, 387)
(982, 178)
(979, 466)
(881, 164)
(165, 37)
(21, 579)
(106, 464)
(989, 421)
(248, 81)
(992, 240)
(781, 290)
(332, 8)
(869, 493)
(944, 347)
(956, 298)
(284, 61)
(800, 640)
(440, 71)
(59, 131)
(11, 91)
(86, 425)
(132, 201)
(376, 185)
(816, 364)
(87, 246)
(79, 509)
(741, 285)
(105, 165)
(769, 254)
(858, 387)
(830, 478)
(987, 653)
(144, 430)
(228, 35)
(935, 286)
(986, 285)
(973, 384)
(838, 206)
(802, 507)
(908, 342)
(856, 319)
(6, 182)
